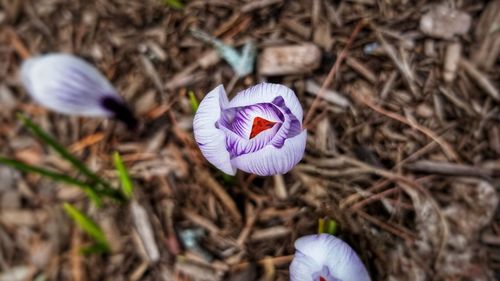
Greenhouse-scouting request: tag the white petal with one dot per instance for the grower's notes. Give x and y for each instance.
(271, 160)
(341, 260)
(303, 267)
(67, 84)
(267, 92)
(212, 141)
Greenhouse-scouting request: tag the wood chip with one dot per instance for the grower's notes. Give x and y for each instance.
(444, 22)
(270, 233)
(207, 180)
(296, 27)
(451, 59)
(481, 79)
(145, 230)
(330, 96)
(279, 187)
(290, 59)
(487, 49)
(323, 36)
(361, 69)
(446, 168)
(258, 4)
(22, 217)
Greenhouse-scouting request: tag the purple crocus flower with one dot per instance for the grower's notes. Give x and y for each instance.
(324, 257)
(259, 131)
(67, 84)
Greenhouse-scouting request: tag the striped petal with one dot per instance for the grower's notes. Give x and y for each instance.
(326, 256)
(69, 85)
(271, 160)
(240, 119)
(237, 145)
(211, 139)
(266, 93)
(291, 125)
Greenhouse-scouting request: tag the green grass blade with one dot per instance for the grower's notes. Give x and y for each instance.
(176, 4)
(43, 172)
(125, 181)
(59, 177)
(86, 224)
(49, 140)
(194, 101)
(94, 197)
(94, 249)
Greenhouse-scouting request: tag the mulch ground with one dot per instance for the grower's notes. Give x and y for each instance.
(403, 147)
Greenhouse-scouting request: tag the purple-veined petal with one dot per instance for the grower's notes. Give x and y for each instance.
(210, 139)
(237, 145)
(295, 124)
(67, 84)
(266, 93)
(325, 250)
(271, 160)
(237, 124)
(240, 120)
(291, 125)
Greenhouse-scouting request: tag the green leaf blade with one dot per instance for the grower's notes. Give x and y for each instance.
(86, 224)
(50, 141)
(123, 175)
(94, 193)
(176, 4)
(194, 101)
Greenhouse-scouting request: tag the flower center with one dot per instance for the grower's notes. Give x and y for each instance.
(321, 278)
(260, 125)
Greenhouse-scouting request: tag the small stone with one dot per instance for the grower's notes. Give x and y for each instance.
(444, 22)
(291, 59)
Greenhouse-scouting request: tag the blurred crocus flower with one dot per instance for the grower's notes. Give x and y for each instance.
(324, 257)
(259, 131)
(67, 84)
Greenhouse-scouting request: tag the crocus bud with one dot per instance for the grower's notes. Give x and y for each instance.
(259, 131)
(324, 257)
(67, 84)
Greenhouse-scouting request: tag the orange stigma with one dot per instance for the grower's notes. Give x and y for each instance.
(259, 125)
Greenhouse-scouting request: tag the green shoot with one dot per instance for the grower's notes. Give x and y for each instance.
(125, 181)
(331, 227)
(176, 4)
(88, 226)
(321, 226)
(194, 101)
